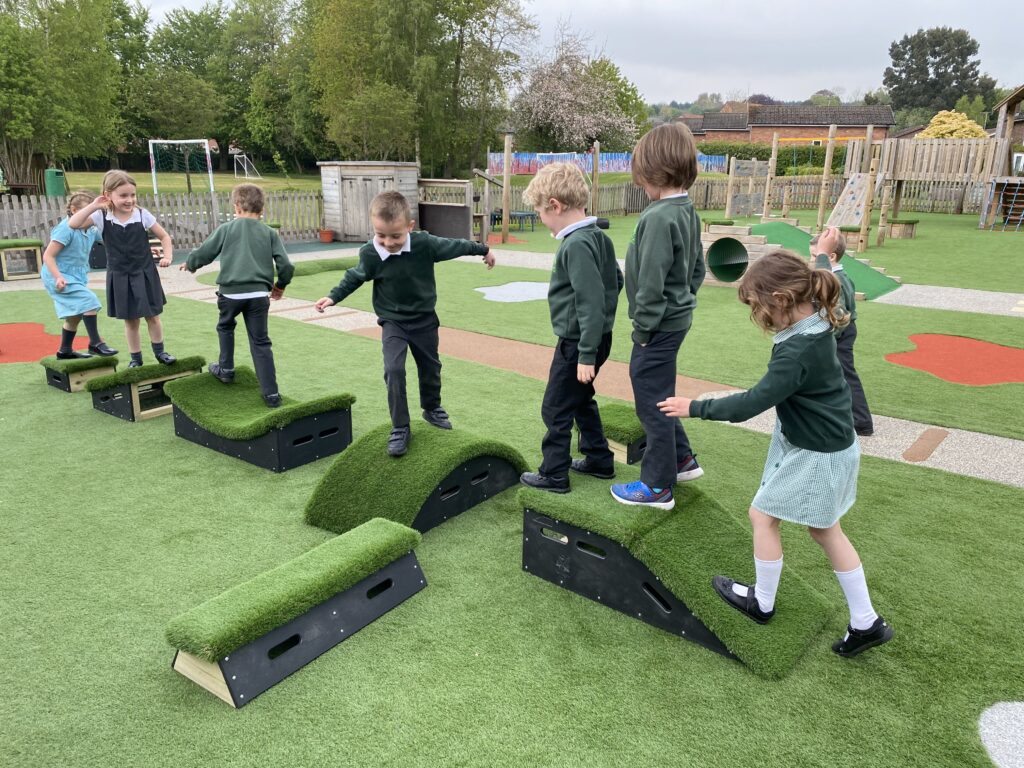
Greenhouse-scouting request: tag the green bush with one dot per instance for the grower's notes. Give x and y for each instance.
(806, 155)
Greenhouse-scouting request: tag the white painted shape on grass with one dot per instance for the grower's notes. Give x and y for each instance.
(1002, 732)
(513, 292)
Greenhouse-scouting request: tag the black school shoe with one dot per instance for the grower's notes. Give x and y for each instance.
(134, 363)
(227, 375)
(438, 417)
(859, 640)
(272, 401)
(72, 355)
(587, 467)
(166, 358)
(747, 605)
(398, 441)
(102, 349)
(545, 482)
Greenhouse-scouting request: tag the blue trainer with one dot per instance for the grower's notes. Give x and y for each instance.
(640, 494)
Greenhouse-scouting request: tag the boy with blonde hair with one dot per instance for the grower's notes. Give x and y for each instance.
(582, 297)
(400, 263)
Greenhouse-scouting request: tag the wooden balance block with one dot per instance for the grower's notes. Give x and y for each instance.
(903, 229)
(233, 419)
(246, 640)
(72, 375)
(20, 259)
(854, 240)
(624, 433)
(137, 394)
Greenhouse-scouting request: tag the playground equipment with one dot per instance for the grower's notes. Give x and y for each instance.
(246, 640)
(72, 375)
(20, 259)
(348, 188)
(727, 258)
(624, 432)
(245, 165)
(137, 394)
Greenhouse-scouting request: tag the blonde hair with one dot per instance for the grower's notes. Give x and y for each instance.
(78, 200)
(782, 280)
(666, 156)
(248, 197)
(114, 179)
(390, 206)
(562, 181)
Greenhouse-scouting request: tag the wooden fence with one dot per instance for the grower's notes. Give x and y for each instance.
(188, 218)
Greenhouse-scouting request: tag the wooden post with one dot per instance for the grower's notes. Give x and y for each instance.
(595, 187)
(897, 196)
(753, 173)
(826, 177)
(766, 210)
(883, 216)
(785, 199)
(729, 186)
(869, 200)
(868, 153)
(506, 190)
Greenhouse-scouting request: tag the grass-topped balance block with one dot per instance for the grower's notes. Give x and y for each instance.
(234, 420)
(248, 639)
(136, 394)
(903, 229)
(20, 259)
(444, 473)
(657, 565)
(72, 375)
(625, 434)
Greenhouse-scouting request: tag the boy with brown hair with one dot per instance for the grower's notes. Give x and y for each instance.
(582, 297)
(249, 251)
(400, 263)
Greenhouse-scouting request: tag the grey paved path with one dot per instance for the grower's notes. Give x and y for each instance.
(956, 299)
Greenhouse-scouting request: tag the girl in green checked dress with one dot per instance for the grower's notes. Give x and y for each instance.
(810, 475)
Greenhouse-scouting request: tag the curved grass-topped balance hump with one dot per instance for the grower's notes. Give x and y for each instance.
(233, 419)
(135, 394)
(657, 565)
(316, 266)
(72, 375)
(255, 634)
(624, 432)
(444, 473)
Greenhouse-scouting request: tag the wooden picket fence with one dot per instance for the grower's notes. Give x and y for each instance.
(188, 218)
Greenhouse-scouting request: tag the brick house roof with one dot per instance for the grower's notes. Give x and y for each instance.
(774, 115)
(695, 124)
(725, 121)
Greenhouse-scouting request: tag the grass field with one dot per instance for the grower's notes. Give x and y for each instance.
(112, 528)
(175, 182)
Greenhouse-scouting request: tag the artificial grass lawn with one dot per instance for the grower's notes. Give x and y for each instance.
(145, 373)
(78, 364)
(236, 411)
(725, 347)
(223, 181)
(247, 611)
(685, 547)
(398, 486)
(111, 529)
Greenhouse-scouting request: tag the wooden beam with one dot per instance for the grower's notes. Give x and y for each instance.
(826, 177)
(766, 209)
(869, 199)
(506, 189)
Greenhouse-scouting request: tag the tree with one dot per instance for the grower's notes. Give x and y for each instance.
(763, 99)
(877, 96)
(973, 108)
(825, 98)
(933, 68)
(180, 105)
(379, 124)
(952, 125)
(128, 40)
(627, 97)
(707, 102)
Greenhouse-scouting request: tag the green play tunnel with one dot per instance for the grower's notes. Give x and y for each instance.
(727, 259)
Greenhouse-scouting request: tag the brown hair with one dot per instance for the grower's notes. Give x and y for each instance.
(562, 181)
(114, 179)
(781, 279)
(79, 199)
(390, 206)
(666, 156)
(248, 197)
(840, 246)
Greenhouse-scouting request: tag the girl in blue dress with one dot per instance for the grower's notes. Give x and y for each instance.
(66, 280)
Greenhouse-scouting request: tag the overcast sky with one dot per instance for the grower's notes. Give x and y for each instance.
(674, 49)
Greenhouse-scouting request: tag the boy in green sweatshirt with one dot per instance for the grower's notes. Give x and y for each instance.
(582, 297)
(249, 251)
(400, 263)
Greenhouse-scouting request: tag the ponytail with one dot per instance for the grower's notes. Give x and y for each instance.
(827, 294)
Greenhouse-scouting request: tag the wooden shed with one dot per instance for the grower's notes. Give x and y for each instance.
(348, 188)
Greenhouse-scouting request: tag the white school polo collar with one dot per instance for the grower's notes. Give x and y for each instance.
(385, 254)
(586, 222)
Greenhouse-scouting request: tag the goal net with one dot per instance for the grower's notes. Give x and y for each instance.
(245, 168)
(180, 165)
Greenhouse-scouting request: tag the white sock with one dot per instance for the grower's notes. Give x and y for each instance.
(855, 587)
(767, 584)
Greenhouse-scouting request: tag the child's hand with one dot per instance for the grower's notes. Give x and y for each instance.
(60, 284)
(184, 267)
(324, 303)
(165, 261)
(828, 240)
(276, 293)
(489, 260)
(100, 202)
(585, 373)
(676, 407)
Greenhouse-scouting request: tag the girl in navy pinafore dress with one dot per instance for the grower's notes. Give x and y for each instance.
(133, 283)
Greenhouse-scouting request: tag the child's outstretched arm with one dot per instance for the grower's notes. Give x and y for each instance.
(82, 218)
(205, 253)
(283, 265)
(350, 281)
(447, 248)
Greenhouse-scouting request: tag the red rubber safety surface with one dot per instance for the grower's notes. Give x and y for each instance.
(962, 360)
(29, 342)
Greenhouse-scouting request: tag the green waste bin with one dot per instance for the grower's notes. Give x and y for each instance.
(54, 179)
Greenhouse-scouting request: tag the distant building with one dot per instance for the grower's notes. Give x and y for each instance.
(794, 124)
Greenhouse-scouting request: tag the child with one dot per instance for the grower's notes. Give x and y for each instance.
(810, 475)
(133, 284)
(582, 296)
(66, 280)
(400, 263)
(248, 251)
(664, 269)
(863, 424)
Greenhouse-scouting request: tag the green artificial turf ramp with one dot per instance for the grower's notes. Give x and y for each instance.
(251, 609)
(685, 547)
(236, 411)
(868, 281)
(621, 423)
(365, 482)
(316, 266)
(78, 364)
(145, 373)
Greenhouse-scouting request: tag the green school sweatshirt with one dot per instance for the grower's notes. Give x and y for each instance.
(249, 250)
